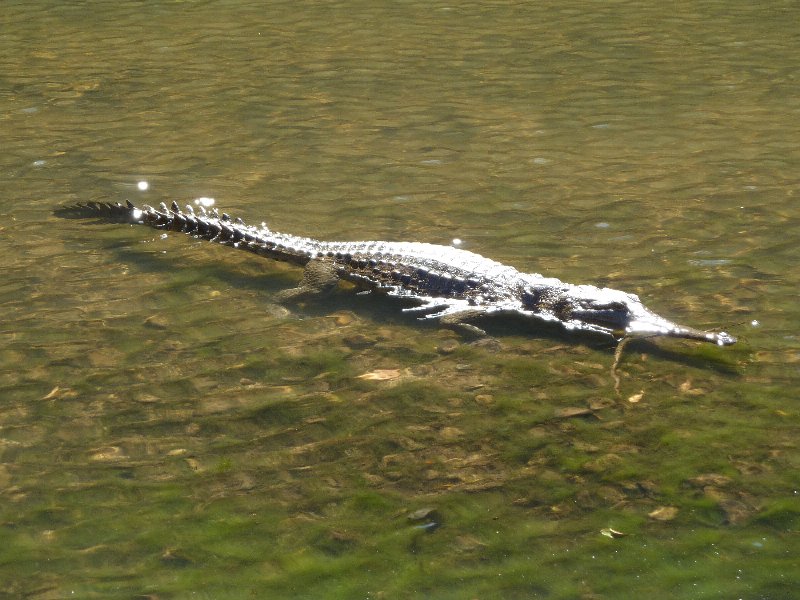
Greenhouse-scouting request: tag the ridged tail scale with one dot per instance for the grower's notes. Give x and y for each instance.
(207, 225)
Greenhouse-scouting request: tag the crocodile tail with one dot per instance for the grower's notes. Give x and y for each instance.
(104, 212)
(205, 225)
(211, 226)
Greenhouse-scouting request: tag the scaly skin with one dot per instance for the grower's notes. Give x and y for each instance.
(447, 283)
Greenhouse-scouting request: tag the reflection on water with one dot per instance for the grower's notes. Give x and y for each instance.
(165, 427)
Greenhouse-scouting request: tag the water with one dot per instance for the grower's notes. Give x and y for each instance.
(166, 429)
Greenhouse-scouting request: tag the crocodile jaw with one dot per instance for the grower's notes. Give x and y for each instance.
(633, 319)
(643, 323)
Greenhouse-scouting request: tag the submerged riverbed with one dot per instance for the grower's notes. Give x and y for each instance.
(168, 430)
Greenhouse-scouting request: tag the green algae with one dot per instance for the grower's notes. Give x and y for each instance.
(167, 431)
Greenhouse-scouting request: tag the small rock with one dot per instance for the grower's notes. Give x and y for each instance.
(686, 388)
(640, 489)
(421, 513)
(172, 558)
(600, 403)
(146, 398)
(713, 479)
(484, 399)
(489, 344)
(431, 518)
(343, 318)
(156, 322)
(603, 463)
(451, 433)
(736, 511)
(108, 454)
(358, 341)
(448, 347)
(585, 446)
(573, 411)
(469, 543)
(194, 464)
(380, 375)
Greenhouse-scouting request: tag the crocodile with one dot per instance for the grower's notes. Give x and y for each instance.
(442, 282)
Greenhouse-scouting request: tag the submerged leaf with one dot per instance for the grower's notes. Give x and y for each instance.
(572, 411)
(663, 513)
(53, 393)
(636, 397)
(612, 533)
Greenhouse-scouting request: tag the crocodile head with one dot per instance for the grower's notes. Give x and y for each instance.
(623, 314)
(608, 311)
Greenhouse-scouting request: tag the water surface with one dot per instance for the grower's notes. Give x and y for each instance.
(167, 430)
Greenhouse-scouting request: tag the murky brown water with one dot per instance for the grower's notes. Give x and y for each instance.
(167, 430)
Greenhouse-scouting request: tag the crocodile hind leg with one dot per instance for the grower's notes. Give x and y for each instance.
(319, 276)
(457, 320)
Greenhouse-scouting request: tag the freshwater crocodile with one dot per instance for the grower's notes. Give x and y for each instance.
(443, 282)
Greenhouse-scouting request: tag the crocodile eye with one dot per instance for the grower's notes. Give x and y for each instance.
(618, 306)
(603, 306)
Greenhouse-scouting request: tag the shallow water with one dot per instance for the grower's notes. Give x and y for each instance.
(167, 430)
